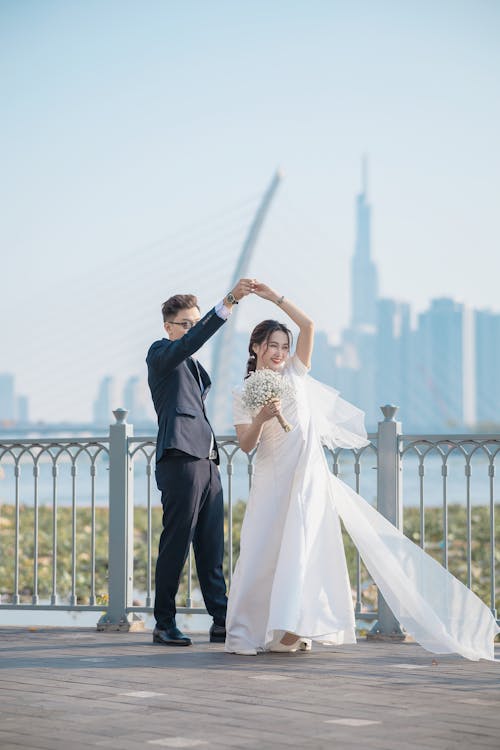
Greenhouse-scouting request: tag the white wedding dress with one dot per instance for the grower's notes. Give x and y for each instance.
(292, 576)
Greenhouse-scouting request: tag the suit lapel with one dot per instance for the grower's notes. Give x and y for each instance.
(200, 375)
(205, 379)
(191, 365)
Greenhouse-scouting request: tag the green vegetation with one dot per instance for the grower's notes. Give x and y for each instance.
(480, 549)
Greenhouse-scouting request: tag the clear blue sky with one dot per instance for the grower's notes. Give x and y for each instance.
(126, 124)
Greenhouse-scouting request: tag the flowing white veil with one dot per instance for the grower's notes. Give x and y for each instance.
(442, 614)
(338, 423)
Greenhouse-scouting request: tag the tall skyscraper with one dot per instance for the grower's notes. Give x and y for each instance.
(356, 359)
(441, 374)
(364, 283)
(391, 353)
(438, 378)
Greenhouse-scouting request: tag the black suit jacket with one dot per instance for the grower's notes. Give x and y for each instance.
(177, 396)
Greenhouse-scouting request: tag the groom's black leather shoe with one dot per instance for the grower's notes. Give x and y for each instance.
(171, 636)
(217, 633)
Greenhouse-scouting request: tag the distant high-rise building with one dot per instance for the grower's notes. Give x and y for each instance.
(391, 353)
(438, 377)
(7, 398)
(442, 374)
(22, 416)
(323, 360)
(103, 405)
(364, 283)
(134, 399)
(487, 359)
(356, 358)
(469, 368)
(365, 381)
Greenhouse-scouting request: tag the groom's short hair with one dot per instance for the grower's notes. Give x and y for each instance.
(171, 307)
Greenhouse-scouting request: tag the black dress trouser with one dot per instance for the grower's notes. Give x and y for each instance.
(193, 511)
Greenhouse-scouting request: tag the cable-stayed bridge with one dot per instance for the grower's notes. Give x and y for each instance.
(220, 410)
(102, 322)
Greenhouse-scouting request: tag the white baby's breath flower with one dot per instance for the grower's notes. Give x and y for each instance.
(263, 386)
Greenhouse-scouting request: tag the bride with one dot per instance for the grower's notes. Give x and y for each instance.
(291, 584)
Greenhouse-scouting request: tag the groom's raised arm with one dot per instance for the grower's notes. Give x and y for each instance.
(165, 355)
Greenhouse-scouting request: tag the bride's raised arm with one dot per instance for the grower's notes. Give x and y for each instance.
(305, 340)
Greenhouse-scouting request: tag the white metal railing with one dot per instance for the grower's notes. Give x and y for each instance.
(476, 456)
(84, 492)
(57, 463)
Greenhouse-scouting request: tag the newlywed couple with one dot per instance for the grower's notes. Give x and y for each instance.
(291, 585)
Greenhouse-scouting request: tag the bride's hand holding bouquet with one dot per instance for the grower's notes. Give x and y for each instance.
(262, 393)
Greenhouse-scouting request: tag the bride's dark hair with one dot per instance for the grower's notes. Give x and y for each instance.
(260, 335)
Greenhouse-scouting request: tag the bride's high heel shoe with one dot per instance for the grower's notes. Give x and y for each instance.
(281, 647)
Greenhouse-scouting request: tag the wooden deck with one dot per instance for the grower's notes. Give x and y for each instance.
(74, 688)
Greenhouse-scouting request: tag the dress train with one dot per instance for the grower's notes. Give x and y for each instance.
(433, 606)
(292, 573)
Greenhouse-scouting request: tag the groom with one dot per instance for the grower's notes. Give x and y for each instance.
(186, 463)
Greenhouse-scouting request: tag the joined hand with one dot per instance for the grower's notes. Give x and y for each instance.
(264, 291)
(243, 288)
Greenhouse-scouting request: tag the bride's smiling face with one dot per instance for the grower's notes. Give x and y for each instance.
(272, 353)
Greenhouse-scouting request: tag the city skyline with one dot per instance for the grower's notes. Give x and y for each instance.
(438, 372)
(135, 153)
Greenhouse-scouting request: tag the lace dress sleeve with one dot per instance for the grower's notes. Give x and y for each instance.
(240, 414)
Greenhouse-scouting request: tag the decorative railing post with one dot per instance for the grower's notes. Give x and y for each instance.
(390, 505)
(121, 530)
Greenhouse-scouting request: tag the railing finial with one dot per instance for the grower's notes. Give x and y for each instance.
(389, 412)
(120, 415)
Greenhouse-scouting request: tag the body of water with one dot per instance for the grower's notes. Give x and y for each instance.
(433, 482)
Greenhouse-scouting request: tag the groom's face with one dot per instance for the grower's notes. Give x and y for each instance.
(181, 323)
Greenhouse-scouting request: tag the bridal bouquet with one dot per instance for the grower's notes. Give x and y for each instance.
(263, 386)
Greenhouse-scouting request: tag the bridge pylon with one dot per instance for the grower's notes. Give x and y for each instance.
(223, 341)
